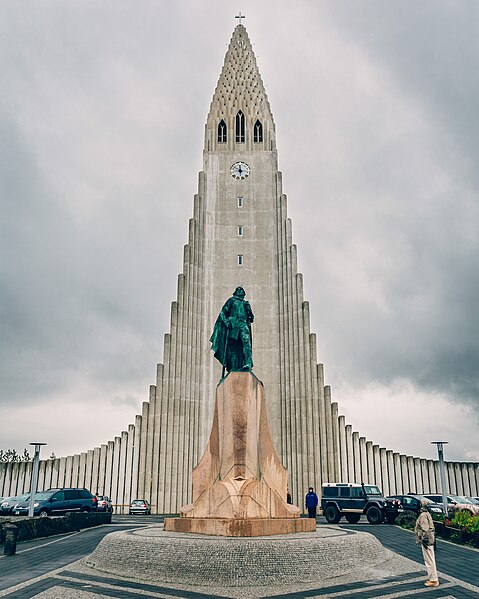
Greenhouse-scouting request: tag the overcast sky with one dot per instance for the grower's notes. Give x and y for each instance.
(102, 113)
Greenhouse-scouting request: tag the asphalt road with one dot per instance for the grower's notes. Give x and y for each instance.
(38, 557)
(454, 560)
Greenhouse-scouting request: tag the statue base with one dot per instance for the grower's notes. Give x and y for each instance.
(240, 527)
(239, 485)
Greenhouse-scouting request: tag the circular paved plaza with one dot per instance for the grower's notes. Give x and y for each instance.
(151, 554)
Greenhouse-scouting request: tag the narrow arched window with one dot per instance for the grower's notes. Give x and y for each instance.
(258, 132)
(240, 127)
(222, 132)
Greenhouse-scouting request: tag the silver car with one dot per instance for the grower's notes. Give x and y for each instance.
(139, 506)
(104, 504)
(9, 503)
(455, 502)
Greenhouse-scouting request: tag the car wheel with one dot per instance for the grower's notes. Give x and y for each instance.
(43, 513)
(332, 514)
(374, 515)
(353, 518)
(85, 509)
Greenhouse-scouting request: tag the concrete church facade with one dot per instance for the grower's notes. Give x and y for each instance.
(239, 235)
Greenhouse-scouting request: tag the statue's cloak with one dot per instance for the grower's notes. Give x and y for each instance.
(227, 328)
(219, 340)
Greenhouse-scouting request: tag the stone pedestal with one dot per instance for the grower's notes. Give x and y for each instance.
(240, 485)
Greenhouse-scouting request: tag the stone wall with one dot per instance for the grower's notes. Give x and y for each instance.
(33, 528)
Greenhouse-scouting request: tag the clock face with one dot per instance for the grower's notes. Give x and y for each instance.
(240, 170)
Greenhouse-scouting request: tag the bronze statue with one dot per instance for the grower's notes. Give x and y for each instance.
(232, 339)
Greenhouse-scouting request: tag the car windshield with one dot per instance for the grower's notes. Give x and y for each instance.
(23, 497)
(43, 495)
(459, 499)
(372, 490)
(138, 502)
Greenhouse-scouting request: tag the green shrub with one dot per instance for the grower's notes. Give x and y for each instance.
(462, 519)
(473, 527)
(437, 517)
(406, 520)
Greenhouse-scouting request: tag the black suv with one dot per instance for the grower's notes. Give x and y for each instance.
(351, 500)
(55, 502)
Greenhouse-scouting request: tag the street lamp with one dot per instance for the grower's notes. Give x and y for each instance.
(34, 479)
(440, 453)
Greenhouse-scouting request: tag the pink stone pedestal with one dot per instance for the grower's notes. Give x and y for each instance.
(240, 485)
(241, 527)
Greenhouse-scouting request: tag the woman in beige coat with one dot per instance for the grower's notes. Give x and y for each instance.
(425, 536)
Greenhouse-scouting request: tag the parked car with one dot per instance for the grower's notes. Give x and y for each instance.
(104, 503)
(473, 500)
(139, 506)
(9, 503)
(351, 500)
(456, 502)
(412, 503)
(56, 502)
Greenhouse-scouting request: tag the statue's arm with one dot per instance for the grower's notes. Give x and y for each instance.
(249, 312)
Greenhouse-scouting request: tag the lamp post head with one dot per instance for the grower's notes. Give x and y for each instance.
(37, 446)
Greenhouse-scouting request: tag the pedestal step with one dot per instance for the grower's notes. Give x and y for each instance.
(238, 527)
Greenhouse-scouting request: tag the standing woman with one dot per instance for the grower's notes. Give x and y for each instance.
(424, 530)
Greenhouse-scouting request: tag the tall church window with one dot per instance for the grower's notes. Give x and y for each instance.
(240, 230)
(240, 259)
(240, 202)
(222, 134)
(240, 127)
(258, 132)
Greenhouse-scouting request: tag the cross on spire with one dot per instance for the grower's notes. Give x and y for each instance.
(240, 16)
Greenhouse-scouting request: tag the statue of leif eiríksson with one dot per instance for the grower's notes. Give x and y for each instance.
(231, 340)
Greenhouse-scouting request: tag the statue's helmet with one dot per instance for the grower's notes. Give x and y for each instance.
(239, 291)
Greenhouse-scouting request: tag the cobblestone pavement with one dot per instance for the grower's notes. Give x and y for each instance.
(458, 568)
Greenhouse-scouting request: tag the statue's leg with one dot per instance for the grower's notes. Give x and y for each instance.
(247, 350)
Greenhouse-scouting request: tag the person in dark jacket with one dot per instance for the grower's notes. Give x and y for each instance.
(311, 502)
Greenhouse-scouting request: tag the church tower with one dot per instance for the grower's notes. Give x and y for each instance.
(239, 235)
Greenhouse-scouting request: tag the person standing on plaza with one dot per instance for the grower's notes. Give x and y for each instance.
(311, 502)
(424, 530)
